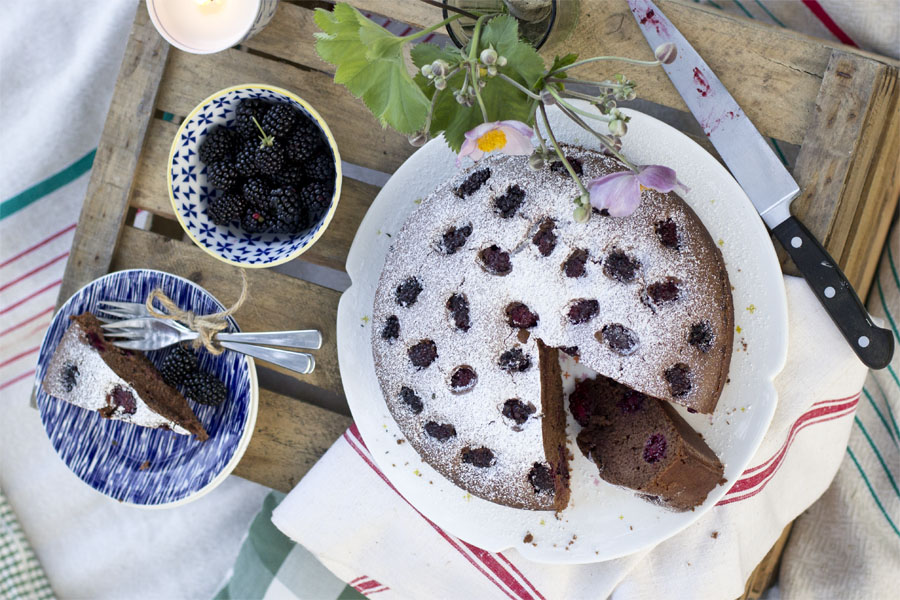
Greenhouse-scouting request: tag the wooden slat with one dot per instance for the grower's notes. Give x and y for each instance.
(773, 73)
(289, 36)
(766, 571)
(150, 193)
(105, 206)
(361, 140)
(841, 202)
(276, 302)
(289, 438)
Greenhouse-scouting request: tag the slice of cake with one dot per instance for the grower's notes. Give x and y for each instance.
(643, 444)
(88, 371)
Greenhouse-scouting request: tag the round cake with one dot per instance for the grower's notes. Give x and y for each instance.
(490, 276)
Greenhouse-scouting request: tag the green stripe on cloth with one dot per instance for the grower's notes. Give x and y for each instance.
(741, 6)
(260, 557)
(880, 416)
(51, 184)
(878, 455)
(769, 12)
(21, 575)
(872, 491)
(886, 311)
(890, 256)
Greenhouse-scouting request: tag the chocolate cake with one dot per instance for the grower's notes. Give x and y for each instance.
(643, 444)
(88, 371)
(490, 275)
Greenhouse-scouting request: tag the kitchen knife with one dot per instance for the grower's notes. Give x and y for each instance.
(766, 181)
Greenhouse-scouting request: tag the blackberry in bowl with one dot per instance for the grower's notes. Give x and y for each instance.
(254, 175)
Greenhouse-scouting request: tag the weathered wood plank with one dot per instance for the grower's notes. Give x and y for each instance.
(847, 142)
(766, 571)
(289, 36)
(277, 302)
(106, 203)
(150, 193)
(361, 140)
(289, 438)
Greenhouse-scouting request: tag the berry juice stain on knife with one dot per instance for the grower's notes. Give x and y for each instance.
(703, 86)
(650, 17)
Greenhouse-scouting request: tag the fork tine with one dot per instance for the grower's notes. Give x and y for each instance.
(130, 309)
(136, 323)
(131, 345)
(119, 314)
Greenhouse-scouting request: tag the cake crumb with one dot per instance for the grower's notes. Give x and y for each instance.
(542, 522)
(528, 538)
(714, 534)
(621, 517)
(115, 443)
(630, 528)
(144, 466)
(400, 441)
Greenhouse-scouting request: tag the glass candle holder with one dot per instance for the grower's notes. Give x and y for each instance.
(208, 26)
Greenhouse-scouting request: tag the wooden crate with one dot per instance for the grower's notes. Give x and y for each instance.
(838, 104)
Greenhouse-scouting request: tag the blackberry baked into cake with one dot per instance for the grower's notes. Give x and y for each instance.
(88, 371)
(490, 278)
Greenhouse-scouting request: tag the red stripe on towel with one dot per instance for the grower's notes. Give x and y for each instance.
(18, 356)
(26, 321)
(33, 271)
(30, 296)
(354, 431)
(522, 577)
(9, 382)
(827, 21)
(38, 245)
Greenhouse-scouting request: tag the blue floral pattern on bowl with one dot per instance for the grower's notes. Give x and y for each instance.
(190, 192)
(137, 465)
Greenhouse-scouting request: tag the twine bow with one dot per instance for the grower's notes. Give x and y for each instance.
(206, 326)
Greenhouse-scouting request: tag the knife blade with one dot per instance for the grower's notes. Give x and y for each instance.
(768, 184)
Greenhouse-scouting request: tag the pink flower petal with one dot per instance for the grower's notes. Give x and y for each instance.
(657, 177)
(519, 126)
(618, 193)
(469, 148)
(477, 132)
(517, 144)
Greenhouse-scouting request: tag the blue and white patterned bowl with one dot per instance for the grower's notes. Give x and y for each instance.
(190, 192)
(152, 468)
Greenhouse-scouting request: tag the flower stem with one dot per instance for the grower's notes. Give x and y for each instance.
(559, 151)
(428, 30)
(519, 86)
(601, 84)
(646, 63)
(473, 65)
(573, 94)
(562, 102)
(264, 140)
(447, 6)
(603, 139)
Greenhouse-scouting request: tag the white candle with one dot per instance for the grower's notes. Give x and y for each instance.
(206, 26)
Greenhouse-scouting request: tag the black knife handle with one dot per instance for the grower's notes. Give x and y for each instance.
(874, 345)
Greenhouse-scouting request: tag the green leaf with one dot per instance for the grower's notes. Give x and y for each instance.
(563, 61)
(369, 61)
(524, 64)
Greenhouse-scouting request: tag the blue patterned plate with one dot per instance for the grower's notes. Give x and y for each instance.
(190, 192)
(150, 467)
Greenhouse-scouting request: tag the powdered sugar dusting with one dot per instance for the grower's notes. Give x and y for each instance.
(95, 381)
(540, 283)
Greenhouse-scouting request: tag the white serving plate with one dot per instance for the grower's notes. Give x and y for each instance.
(608, 521)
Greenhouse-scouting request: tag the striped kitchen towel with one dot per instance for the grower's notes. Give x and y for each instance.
(21, 575)
(847, 545)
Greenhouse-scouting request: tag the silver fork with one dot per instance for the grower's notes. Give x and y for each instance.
(306, 339)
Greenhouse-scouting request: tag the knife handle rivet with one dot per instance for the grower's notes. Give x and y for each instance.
(829, 292)
(796, 242)
(863, 341)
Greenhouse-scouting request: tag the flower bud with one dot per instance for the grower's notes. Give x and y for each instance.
(427, 71)
(666, 53)
(440, 83)
(501, 61)
(536, 161)
(491, 71)
(581, 214)
(489, 56)
(617, 127)
(440, 68)
(418, 139)
(482, 83)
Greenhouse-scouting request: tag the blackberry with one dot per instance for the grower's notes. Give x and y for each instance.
(458, 306)
(517, 410)
(667, 231)
(545, 239)
(290, 174)
(279, 120)
(303, 142)
(256, 191)
(440, 431)
(495, 261)
(472, 183)
(246, 111)
(507, 204)
(285, 205)
(256, 219)
(411, 399)
(391, 329)
(455, 238)
(558, 167)
(514, 360)
(222, 175)
(541, 478)
(178, 366)
(463, 379)
(70, 377)
(422, 354)
(268, 157)
(655, 448)
(582, 311)
(619, 338)
(205, 388)
(574, 265)
(245, 160)
(620, 266)
(315, 198)
(408, 292)
(520, 316)
(479, 457)
(679, 378)
(663, 291)
(701, 336)
(218, 145)
(320, 166)
(225, 208)
(633, 402)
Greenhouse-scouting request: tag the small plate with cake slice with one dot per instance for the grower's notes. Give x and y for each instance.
(137, 434)
(578, 392)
